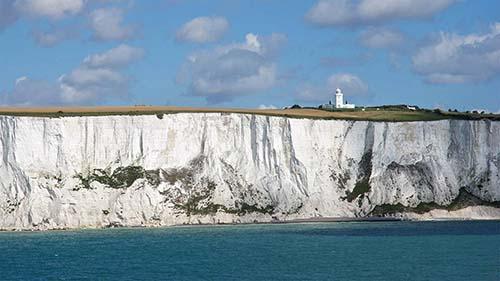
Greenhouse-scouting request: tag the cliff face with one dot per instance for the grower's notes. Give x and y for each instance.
(213, 167)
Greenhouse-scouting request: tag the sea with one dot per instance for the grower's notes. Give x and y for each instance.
(441, 250)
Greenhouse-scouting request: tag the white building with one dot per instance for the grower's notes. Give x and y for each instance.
(339, 100)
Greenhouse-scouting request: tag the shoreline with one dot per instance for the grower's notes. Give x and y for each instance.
(344, 219)
(316, 220)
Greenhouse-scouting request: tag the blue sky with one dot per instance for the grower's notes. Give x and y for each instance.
(261, 53)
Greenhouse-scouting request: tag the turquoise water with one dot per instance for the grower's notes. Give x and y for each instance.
(323, 251)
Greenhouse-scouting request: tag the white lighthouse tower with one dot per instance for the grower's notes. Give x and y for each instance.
(339, 98)
(339, 102)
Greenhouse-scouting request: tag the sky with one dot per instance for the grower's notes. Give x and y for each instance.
(250, 54)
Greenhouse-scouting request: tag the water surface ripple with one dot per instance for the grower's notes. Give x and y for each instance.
(464, 250)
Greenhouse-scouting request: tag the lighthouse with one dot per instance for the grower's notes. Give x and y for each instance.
(339, 100)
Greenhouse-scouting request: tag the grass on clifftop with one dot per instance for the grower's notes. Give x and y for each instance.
(384, 113)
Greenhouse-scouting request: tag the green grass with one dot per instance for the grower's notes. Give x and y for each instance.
(395, 113)
(399, 113)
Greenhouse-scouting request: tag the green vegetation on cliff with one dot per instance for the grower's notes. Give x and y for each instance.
(121, 177)
(463, 200)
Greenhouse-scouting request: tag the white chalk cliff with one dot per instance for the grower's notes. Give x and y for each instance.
(149, 170)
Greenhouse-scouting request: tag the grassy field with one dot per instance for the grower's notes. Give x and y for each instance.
(371, 114)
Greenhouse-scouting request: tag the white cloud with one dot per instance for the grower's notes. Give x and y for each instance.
(381, 38)
(89, 85)
(116, 57)
(263, 106)
(8, 14)
(346, 12)
(29, 91)
(453, 58)
(231, 70)
(54, 9)
(48, 39)
(203, 29)
(21, 79)
(97, 79)
(54, 36)
(351, 85)
(85, 76)
(99, 76)
(107, 24)
(12, 10)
